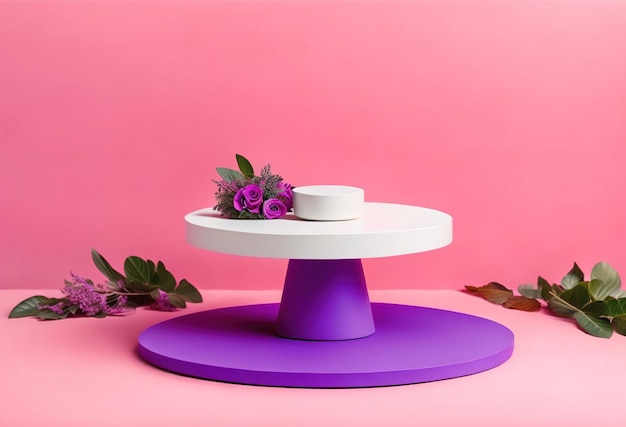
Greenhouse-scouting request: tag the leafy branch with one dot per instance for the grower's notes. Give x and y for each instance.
(143, 283)
(597, 305)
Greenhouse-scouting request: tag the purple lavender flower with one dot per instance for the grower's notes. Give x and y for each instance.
(285, 195)
(56, 308)
(118, 307)
(162, 303)
(80, 291)
(274, 208)
(249, 198)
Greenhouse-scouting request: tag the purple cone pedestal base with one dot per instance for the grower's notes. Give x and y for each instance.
(322, 336)
(325, 300)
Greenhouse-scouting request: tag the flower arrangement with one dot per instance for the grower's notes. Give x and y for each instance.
(244, 195)
(144, 284)
(598, 305)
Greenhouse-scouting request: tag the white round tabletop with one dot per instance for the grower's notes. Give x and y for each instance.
(384, 230)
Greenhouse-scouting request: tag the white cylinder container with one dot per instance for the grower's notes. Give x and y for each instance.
(328, 202)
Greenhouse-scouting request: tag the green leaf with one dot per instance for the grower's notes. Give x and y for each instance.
(569, 281)
(104, 267)
(230, 174)
(560, 307)
(28, 307)
(616, 307)
(152, 270)
(166, 282)
(619, 324)
(593, 326)
(160, 268)
(529, 291)
(612, 282)
(137, 270)
(576, 272)
(188, 291)
(164, 279)
(599, 290)
(546, 289)
(578, 296)
(244, 166)
(598, 309)
(52, 301)
(51, 315)
(176, 300)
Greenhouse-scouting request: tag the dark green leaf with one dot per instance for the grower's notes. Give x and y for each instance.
(546, 289)
(104, 267)
(616, 307)
(137, 270)
(152, 270)
(619, 324)
(51, 315)
(160, 268)
(612, 282)
(230, 174)
(576, 272)
(529, 291)
(593, 326)
(188, 291)
(164, 280)
(598, 309)
(28, 307)
(578, 296)
(560, 307)
(73, 308)
(176, 300)
(244, 166)
(52, 301)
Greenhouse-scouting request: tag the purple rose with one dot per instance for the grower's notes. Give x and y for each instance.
(274, 208)
(249, 197)
(285, 195)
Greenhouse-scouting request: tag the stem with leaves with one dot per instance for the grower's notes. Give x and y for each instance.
(143, 283)
(598, 305)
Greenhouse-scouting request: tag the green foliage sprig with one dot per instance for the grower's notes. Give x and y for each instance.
(598, 305)
(143, 283)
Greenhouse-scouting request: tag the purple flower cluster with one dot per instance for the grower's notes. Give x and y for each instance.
(248, 196)
(57, 308)
(162, 303)
(250, 199)
(84, 293)
(285, 195)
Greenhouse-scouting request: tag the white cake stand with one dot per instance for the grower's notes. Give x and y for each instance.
(325, 332)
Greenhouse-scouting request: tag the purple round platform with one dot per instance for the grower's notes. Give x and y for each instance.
(411, 345)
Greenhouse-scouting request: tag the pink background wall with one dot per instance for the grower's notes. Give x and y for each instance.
(509, 115)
